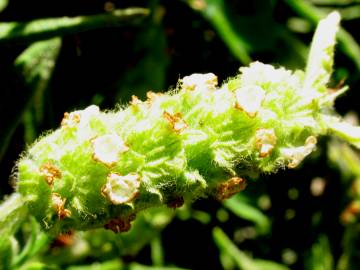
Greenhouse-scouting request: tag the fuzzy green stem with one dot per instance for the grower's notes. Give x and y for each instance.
(47, 28)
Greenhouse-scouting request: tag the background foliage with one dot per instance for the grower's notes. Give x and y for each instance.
(297, 219)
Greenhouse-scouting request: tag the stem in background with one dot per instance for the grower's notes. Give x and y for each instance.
(47, 28)
(214, 12)
(34, 68)
(348, 45)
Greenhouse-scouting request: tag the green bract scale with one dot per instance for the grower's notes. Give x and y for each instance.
(101, 168)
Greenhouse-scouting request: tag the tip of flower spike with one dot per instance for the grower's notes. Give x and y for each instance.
(334, 17)
(320, 59)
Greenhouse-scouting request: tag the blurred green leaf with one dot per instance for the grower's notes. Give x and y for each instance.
(214, 12)
(157, 252)
(13, 212)
(294, 46)
(269, 265)
(347, 13)
(47, 28)
(104, 244)
(335, 2)
(118, 265)
(242, 260)
(241, 208)
(344, 130)
(136, 266)
(320, 257)
(108, 265)
(150, 70)
(37, 242)
(345, 158)
(3, 4)
(34, 68)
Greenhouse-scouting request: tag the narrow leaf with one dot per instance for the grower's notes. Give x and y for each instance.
(47, 28)
(248, 212)
(242, 260)
(34, 68)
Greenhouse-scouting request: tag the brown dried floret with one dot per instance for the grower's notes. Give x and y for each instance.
(135, 100)
(175, 202)
(50, 172)
(265, 141)
(351, 212)
(120, 224)
(176, 122)
(200, 81)
(229, 188)
(71, 119)
(298, 154)
(152, 96)
(59, 205)
(63, 240)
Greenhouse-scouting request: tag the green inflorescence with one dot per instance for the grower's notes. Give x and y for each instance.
(101, 168)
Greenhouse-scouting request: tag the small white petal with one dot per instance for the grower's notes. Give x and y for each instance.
(249, 99)
(200, 81)
(121, 189)
(107, 148)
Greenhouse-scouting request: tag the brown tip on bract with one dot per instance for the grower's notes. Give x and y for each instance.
(152, 96)
(50, 172)
(63, 240)
(176, 122)
(120, 224)
(135, 100)
(175, 202)
(107, 149)
(300, 153)
(70, 119)
(229, 188)
(200, 81)
(59, 205)
(120, 189)
(265, 141)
